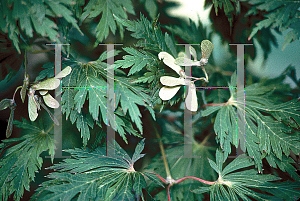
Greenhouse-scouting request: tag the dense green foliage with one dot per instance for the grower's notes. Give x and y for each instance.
(145, 126)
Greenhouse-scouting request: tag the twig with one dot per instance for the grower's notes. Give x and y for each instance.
(16, 92)
(168, 192)
(172, 182)
(205, 139)
(201, 180)
(162, 150)
(25, 62)
(211, 104)
(162, 179)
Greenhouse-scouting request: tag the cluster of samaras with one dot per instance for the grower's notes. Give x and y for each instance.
(172, 84)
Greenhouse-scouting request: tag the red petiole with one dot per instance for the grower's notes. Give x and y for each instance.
(181, 180)
(212, 104)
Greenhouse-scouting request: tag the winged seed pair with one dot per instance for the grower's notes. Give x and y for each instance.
(172, 84)
(34, 101)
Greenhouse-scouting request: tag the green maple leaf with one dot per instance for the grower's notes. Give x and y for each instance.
(91, 175)
(137, 60)
(230, 8)
(129, 101)
(17, 172)
(191, 33)
(87, 83)
(151, 7)
(233, 185)
(280, 14)
(150, 38)
(107, 8)
(284, 165)
(150, 34)
(34, 16)
(263, 134)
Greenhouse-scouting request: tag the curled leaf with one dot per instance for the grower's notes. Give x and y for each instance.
(12, 106)
(5, 103)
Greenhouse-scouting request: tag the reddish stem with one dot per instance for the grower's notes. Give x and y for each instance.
(168, 192)
(201, 180)
(211, 104)
(162, 179)
(181, 180)
(16, 92)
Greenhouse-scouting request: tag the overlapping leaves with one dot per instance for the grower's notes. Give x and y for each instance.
(181, 162)
(91, 175)
(280, 14)
(152, 39)
(33, 15)
(230, 7)
(150, 34)
(151, 7)
(83, 119)
(191, 33)
(37, 16)
(20, 162)
(144, 64)
(88, 81)
(137, 60)
(233, 185)
(264, 134)
(107, 8)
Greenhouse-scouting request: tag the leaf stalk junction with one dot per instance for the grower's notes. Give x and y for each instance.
(169, 180)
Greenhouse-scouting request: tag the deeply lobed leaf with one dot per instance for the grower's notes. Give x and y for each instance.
(260, 134)
(91, 175)
(280, 14)
(232, 185)
(17, 172)
(34, 16)
(107, 8)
